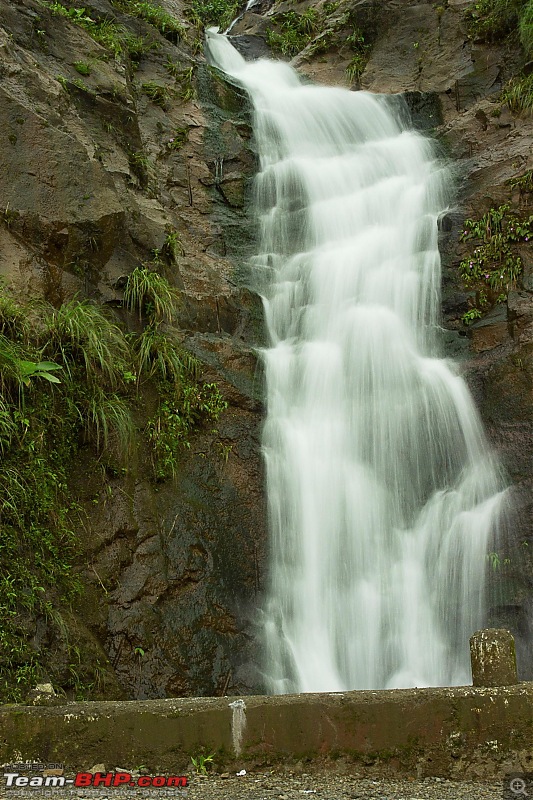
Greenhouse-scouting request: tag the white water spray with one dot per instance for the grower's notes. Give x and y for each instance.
(381, 490)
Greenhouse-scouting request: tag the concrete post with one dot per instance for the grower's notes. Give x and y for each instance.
(493, 658)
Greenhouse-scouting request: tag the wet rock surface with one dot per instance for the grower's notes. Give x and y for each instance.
(95, 172)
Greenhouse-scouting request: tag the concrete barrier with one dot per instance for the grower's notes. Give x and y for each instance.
(456, 732)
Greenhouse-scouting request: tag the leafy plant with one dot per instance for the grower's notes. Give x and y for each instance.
(200, 763)
(518, 94)
(176, 142)
(356, 67)
(523, 182)
(172, 244)
(140, 166)
(493, 267)
(180, 412)
(62, 81)
(110, 35)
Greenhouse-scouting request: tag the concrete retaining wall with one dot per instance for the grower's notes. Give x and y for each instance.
(463, 731)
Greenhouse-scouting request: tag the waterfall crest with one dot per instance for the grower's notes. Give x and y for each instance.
(382, 492)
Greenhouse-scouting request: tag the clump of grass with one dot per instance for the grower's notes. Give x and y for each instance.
(81, 334)
(172, 244)
(174, 68)
(150, 294)
(187, 91)
(293, 31)
(159, 354)
(158, 94)
(518, 94)
(14, 321)
(108, 420)
(137, 46)
(140, 165)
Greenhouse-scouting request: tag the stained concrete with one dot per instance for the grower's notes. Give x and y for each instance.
(463, 731)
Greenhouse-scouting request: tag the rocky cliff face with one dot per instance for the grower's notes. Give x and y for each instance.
(102, 159)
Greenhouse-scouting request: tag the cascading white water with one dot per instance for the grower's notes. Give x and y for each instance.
(381, 490)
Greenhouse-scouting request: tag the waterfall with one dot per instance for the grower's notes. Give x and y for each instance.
(382, 492)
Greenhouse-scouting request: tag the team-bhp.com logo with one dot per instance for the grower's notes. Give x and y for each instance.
(52, 777)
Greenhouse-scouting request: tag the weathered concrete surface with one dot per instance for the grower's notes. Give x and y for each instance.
(493, 658)
(463, 731)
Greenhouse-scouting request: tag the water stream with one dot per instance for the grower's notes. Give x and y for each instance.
(382, 493)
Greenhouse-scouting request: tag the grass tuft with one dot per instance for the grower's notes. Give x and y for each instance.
(150, 294)
(81, 333)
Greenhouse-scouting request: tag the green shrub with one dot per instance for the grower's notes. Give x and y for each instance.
(492, 20)
(523, 182)
(293, 31)
(212, 12)
(178, 414)
(82, 67)
(526, 28)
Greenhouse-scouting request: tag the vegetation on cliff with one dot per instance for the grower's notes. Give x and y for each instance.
(496, 20)
(313, 31)
(493, 267)
(71, 380)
